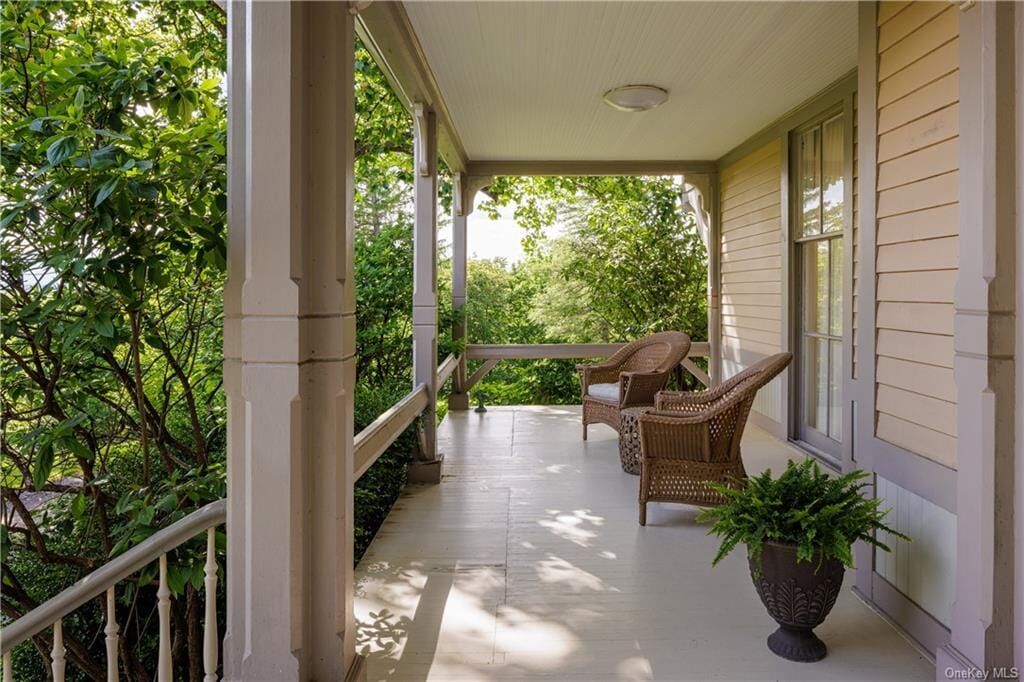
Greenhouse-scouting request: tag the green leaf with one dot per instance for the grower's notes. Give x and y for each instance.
(105, 190)
(79, 505)
(42, 466)
(61, 149)
(104, 325)
(78, 448)
(80, 98)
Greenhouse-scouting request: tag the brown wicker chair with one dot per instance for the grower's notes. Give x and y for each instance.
(690, 439)
(630, 377)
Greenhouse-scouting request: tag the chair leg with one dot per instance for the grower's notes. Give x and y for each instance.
(643, 513)
(584, 430)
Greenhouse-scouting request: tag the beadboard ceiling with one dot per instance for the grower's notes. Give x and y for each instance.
(523, 80)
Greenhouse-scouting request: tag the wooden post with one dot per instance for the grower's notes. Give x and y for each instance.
(427, 467)
(289, 342)
(459, 399)
(982, 621)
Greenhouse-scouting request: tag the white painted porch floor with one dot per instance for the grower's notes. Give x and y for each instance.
(528, 562)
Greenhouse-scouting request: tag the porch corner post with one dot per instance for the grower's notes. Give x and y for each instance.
(427, 467)
(290, 342)
(715, 279)
(459, 399)
(982, 621)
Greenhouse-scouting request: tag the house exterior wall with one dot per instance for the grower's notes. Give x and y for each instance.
(751, 266)
(917, 228)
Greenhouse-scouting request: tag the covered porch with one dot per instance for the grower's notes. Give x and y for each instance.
(527, 562)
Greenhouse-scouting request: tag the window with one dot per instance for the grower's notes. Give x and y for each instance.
(818, 208)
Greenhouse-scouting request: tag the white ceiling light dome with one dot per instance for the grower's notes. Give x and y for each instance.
(640, 97)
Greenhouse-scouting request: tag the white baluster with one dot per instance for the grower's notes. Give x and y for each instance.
(210, 632)
(112, 631)
(163, 595)
(8, 668)
(57, 653)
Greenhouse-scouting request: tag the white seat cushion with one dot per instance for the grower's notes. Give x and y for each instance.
(608, 392)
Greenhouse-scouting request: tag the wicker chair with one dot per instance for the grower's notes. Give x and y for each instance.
(690, 439)
(630, 377)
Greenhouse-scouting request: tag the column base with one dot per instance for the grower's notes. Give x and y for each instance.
(426, 472)
(458, 401)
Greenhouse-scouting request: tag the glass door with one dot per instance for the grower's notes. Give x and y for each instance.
(818, 235)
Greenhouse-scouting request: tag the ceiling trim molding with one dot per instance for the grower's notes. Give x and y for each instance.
(387, 33)
(806, 110)
(562, 168)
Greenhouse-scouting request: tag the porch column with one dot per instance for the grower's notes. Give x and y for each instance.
(459, 400)
(701, 191)
(427, 468)
(289, 342)
(983, 611)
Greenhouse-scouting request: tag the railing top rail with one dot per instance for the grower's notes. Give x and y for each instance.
(558, 351)
(447, 368)
(373, 440)
(112, 572)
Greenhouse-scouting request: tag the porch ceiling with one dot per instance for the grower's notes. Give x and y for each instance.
(523, 81)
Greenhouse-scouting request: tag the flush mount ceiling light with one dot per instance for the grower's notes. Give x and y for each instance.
(635, 97)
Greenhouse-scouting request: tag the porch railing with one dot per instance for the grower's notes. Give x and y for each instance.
(51, 613)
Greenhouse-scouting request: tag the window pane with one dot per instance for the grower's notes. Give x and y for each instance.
(836, 287)
(816, 382)
(832, 175)
(835, 390)
(816, 279)
(810, 182)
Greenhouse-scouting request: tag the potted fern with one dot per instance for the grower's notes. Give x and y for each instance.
(799, 530)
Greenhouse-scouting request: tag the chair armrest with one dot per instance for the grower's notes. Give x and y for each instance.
(596, 374)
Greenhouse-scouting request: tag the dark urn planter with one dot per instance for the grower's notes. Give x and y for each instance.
(797, 597)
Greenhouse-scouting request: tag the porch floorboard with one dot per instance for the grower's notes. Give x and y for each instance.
(527, 562)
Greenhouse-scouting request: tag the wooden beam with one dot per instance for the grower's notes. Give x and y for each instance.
(569, 167)
(446, 369)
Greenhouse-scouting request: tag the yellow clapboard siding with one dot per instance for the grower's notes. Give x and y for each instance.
(735, 345)
(890, 8)
(924, 163)
(766, 172)
(759, 323)
(932, 349)
(752, 276)
(764, 312)
(929, 286)
(932, 97)
(751, 253)
(932, 254)
(758, 204)
(767, 338)
(932, 66)
(751, 299)
(937, 415)
(936, 127)
(748, 242)
(940, 29)
(769, 213)
(770, 225)
(753, 287)
(917, 377)
(744, 164)
(919, 195)
(906, 22)
(930, 318)
(771, 263)
(941, 221)
(934, 445)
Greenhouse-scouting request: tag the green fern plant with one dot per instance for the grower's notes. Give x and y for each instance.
(803, 507)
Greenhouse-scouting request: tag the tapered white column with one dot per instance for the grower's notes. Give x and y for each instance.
(424, 292)
(290, 342)
(982, 620)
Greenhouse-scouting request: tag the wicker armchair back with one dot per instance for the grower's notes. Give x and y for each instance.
(692, 438)
(640, 369)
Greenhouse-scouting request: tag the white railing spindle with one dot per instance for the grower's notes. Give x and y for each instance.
(8, 668)
(57, 653)
(163, 605)
(112, 632)
(210, 632)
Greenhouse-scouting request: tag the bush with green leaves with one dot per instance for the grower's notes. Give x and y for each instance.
(805, 507)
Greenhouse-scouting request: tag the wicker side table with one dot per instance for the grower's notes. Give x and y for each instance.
(629, 438)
